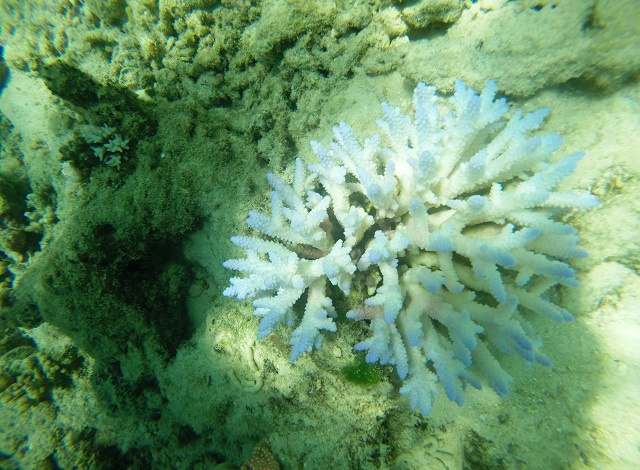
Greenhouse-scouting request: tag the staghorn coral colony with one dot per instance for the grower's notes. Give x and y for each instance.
(452, 223)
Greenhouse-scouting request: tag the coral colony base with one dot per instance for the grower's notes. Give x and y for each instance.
(453, 229)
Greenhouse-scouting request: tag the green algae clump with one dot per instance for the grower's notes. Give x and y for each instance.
(361, 373)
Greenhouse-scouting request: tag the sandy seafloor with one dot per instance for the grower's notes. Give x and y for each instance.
(117, 348)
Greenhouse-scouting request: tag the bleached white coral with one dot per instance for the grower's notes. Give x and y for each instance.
(457, 217)
(111, 145)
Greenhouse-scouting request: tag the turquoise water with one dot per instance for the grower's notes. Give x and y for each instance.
(136, 136)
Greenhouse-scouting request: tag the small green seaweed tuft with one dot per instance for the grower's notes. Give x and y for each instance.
(361, 373)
